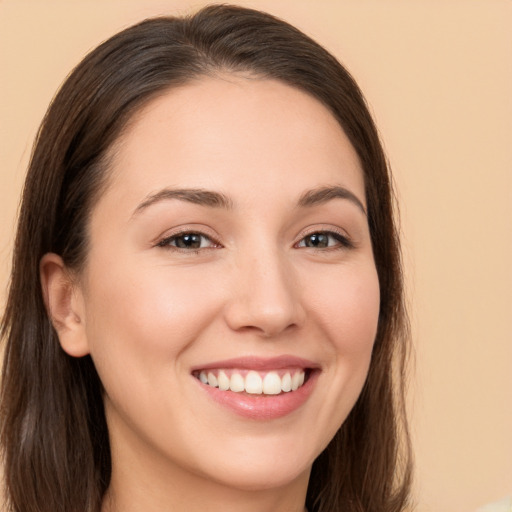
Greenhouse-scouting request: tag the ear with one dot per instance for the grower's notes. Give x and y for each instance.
(65, 304)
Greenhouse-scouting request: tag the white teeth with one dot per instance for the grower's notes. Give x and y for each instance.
(212, 380)
(286, 383)
(271, 384)
(237, 383)
(223, 381)
(254, 384)
(295, 381)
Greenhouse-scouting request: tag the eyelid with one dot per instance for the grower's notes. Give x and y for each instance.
(340, 234)
(163, 240)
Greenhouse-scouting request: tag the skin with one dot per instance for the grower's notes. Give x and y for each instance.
(148, 312)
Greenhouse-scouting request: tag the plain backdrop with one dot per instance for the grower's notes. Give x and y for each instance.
(438, 78)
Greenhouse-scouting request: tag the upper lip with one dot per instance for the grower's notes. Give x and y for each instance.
(260, 363)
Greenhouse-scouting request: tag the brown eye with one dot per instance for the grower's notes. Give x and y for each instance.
(188, 241)
(317, 240)
(184, 241)
(324, 240)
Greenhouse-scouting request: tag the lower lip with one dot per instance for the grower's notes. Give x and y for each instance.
(262, 407)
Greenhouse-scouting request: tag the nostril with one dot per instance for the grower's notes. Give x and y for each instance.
(263, 320)
(266, 329)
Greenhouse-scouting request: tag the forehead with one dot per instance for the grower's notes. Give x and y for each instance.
(228, 131)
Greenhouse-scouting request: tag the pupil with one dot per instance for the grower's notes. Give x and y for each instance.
(317, 240)
(190, 241)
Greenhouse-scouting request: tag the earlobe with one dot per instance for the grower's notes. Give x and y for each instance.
(64, 305)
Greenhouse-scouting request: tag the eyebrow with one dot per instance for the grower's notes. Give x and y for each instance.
(213, 199)
(190, 195)
(322, 195)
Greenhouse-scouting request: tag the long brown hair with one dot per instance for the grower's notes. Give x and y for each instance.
(54, 436)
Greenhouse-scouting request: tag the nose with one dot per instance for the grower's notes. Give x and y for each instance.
(265, 296)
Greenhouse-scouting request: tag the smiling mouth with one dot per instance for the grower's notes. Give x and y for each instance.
(254, 382)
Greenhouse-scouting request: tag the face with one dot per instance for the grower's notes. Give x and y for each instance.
(230, 297)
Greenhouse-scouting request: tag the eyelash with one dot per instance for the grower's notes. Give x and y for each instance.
(342, 241)
(166, 242)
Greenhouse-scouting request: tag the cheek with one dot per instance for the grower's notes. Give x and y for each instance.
(348, 308)
(151, 314)
(345, 307)
(348, 313)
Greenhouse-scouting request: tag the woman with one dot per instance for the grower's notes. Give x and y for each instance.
(206, 300)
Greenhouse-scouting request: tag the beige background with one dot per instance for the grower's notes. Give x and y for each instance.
(438, 77)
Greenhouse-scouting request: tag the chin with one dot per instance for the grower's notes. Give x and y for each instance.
(256, 466)
(261, 477)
